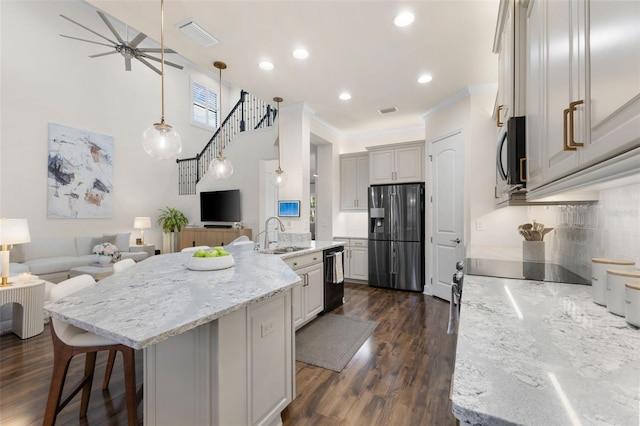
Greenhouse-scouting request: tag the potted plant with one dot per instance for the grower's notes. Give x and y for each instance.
(171, 220)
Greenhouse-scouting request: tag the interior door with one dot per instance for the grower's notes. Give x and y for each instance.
(447, 212)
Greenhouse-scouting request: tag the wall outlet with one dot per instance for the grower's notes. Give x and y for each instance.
(267, 328)
(479, 225)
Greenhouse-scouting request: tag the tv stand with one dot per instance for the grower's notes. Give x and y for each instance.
(212, 237)
(218, 226)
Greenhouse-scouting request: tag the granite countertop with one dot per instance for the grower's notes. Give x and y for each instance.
(159, 297)
(556, 359)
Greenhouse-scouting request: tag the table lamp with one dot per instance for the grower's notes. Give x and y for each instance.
(12, 231)
(142, 222)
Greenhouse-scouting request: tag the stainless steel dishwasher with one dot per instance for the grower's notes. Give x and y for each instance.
(333, 278)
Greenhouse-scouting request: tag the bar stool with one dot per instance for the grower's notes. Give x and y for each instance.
(69, 341)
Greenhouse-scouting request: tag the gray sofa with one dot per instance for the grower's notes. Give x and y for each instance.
(51, 259)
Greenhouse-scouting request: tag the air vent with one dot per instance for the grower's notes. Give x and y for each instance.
(196, 32)
(388, 110)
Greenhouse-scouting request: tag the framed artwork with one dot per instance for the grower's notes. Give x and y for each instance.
(80, 174)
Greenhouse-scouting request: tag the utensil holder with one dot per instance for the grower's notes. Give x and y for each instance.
(533, 251)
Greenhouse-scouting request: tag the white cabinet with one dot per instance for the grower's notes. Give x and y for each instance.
(401, 163)
(308, 299)
(356, 258)
(354, 181)
(583, 85)
(504, 47)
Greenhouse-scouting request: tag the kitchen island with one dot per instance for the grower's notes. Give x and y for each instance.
(535, 353)
(218, 346)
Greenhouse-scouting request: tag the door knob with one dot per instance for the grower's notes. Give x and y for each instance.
(457, 241)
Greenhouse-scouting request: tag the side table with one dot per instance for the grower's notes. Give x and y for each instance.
(28, 318)
(149, 248)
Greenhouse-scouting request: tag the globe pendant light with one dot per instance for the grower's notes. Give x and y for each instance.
(161, 141)
(279, 178)
(220, 167)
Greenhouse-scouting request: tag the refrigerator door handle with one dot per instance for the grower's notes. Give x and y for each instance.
(392, 228)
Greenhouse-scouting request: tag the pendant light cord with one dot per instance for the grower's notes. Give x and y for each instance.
(162, 56)
(279, 167)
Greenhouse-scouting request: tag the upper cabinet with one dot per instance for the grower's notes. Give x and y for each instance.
(354, 181)
(509, 44)
(582, 85)
(401, 163)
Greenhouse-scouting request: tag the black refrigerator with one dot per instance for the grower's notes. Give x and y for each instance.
(396, 236)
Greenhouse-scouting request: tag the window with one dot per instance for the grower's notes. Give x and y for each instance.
(205, 106)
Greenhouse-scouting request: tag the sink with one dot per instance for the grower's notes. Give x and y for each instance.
(283, 250)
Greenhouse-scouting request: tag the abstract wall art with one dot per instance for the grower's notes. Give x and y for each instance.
(80, 174)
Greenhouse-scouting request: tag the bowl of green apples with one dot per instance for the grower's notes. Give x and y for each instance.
(210, 260)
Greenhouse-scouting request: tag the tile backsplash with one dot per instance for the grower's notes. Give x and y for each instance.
(609, 228)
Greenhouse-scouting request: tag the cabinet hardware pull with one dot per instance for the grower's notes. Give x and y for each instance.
(498, 122)
(295, 263)
(523, 178)
(572, 109)
(495, 192)
(564, 135)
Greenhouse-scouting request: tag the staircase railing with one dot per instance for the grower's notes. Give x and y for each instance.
(249, 112)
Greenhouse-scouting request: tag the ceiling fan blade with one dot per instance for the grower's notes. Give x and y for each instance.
(155, 50)
(149, 65)
(103, 54)
(108, 24)
(159, 60)
(127, 64)
(89, 29)
(137, 40)
(87, 41)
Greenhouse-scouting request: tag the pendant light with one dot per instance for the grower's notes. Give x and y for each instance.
(161, 141)
(221, 167)
(280, 177)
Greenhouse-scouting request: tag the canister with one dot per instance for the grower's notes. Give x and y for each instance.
(616, 279)
(632, 303)
(599, 276)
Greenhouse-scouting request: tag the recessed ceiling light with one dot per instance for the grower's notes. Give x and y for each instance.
(345, 96)
(424, 78)
(266, 65)
(403, 19)
(300, 54)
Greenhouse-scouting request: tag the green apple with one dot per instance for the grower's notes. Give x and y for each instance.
(200, 253)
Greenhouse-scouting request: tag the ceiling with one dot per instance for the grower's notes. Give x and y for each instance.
(353, 46)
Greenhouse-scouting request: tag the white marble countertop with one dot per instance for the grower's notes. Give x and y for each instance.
(565, 361)
(315, 246)
(159, 297)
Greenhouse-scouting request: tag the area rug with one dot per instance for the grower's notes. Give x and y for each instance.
(330, 341)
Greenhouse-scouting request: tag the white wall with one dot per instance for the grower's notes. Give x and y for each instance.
(49, 79)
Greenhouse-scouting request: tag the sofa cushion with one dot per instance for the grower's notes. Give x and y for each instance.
(48, 247)
(48, 265)
(17, 268)
(121, 240)
(83, 245)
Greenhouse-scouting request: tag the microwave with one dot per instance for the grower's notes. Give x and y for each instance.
(511, 156)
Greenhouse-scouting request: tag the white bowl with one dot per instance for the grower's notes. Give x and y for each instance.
(632, 303)
(616, 279)
(210, 263)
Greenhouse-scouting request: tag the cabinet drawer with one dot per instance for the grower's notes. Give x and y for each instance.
(304, 260)
(358, 243)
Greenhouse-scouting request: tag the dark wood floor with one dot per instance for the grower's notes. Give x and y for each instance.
(400, 376)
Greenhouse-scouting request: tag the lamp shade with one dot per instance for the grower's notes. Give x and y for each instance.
(142, 222)
(161, 141)
(14, 231)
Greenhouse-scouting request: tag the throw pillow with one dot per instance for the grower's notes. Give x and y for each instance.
(122, 240)
(106, 239)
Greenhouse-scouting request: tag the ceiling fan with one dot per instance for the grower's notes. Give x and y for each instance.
(128, 49)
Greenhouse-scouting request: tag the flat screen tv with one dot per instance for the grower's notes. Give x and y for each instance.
(220, 206)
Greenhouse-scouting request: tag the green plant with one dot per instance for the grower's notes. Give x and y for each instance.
(172, 220)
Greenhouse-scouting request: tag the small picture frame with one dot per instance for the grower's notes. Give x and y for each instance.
(138, 241)
(289, 208)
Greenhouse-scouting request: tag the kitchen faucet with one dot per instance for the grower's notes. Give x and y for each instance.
(266, 230)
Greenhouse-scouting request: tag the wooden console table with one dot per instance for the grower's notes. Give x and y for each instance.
(28, 318)
(212, 237)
